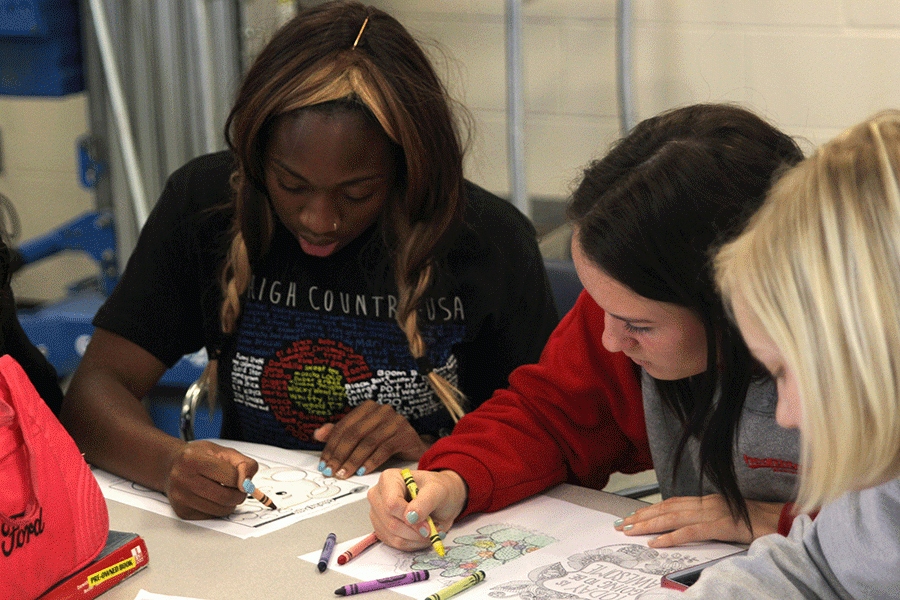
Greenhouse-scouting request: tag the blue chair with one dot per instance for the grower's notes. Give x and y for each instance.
(564, 284)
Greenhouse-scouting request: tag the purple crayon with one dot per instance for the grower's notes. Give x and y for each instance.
(326, 552)
(380, 584)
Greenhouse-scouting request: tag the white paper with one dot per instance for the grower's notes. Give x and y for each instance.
(538, 548)
(289, 477)
(145, 595)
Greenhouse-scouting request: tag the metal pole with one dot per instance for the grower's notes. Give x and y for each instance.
(625, 21)
(204, 51)
(120, 111)
(515, 108)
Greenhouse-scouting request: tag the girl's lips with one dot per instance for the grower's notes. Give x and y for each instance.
(316, 250)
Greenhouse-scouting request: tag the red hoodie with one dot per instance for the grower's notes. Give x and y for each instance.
(577, 416)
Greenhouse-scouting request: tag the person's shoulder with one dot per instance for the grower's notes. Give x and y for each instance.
(208, 169)
(201, 184)
(194, 207)
(222, 161)
(487, 212)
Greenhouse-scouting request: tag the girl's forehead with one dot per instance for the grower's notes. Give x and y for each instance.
(311, 143)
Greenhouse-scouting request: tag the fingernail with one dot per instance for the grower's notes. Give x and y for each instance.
(631, 513)
(360, 471)
(248, 486)
(618, 523)
(628, 528)
(442, 534)
(341, 474)
(423, 531)
(412, 517)
(321, 466)
(327, 472)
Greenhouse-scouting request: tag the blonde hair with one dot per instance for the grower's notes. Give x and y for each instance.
(819, 266)
(319, 61)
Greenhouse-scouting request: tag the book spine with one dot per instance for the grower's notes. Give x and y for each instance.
(104, 573)
(668, 583)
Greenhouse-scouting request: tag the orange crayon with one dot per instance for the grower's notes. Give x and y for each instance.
(357, 548)
(253, 491)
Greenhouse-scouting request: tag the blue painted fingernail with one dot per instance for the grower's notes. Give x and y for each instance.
(327, 472)
(423, 531)
(618, 523)
(631, 513)
(628, 528)
(442, 534)
(361, 471)
(412, 517)
(321, 466)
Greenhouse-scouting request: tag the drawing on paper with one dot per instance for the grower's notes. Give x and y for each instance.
(489, 547)
(613, 572)
(293, 489)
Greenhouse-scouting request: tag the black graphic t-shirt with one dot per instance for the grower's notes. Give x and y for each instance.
(318, 336)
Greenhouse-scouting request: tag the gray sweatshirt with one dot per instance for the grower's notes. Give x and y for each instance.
(851, 550)
(765, 456)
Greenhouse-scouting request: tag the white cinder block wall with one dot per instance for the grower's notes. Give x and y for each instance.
(40, 177)
(813, 67)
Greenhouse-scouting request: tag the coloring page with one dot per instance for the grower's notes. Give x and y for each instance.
(289, 477)
(538, 549)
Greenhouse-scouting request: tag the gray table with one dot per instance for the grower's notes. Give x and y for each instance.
(186, 560)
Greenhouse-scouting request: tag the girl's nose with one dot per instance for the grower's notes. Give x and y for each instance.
(320, 216)
(615, 338)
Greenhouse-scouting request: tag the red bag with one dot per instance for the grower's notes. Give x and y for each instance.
(53, 518)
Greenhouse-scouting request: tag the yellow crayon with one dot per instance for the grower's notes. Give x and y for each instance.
(413, 491)
(459, 586)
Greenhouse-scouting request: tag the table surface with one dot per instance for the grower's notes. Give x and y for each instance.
(195, 562)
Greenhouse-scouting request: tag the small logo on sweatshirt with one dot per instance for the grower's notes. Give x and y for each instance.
(17, 536)
(776, 464)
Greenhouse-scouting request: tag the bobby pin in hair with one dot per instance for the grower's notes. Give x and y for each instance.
(359, 35)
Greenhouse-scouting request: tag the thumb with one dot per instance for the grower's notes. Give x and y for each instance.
(246, 470)
(419, 509)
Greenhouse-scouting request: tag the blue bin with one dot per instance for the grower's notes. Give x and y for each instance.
(40, 48)
(38, 18)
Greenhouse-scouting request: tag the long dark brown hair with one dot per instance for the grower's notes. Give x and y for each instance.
(350, 55)
(651, 212)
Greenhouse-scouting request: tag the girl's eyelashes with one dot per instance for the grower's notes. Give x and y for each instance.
(635, 329)
(359, 199)
(303, 188)
(292, 189)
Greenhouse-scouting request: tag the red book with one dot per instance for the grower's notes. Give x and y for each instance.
(124, 555)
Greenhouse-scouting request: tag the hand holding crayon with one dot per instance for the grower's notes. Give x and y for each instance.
(413, 492)
(254, 491)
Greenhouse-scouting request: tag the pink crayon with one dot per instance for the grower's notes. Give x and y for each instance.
(380, 584)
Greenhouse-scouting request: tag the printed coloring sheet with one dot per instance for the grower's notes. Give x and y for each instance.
(289, 477)
(541, 548)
